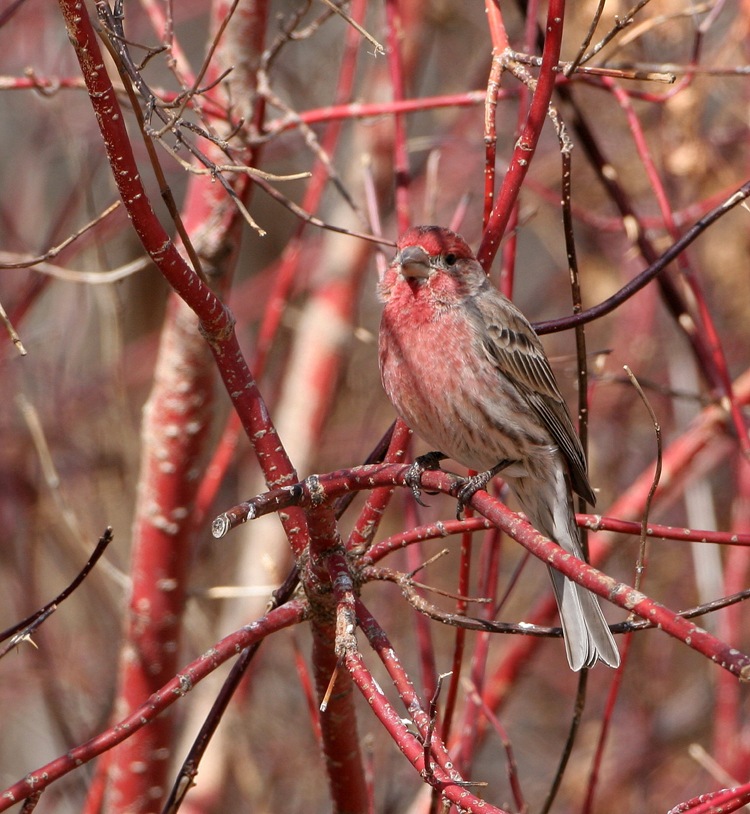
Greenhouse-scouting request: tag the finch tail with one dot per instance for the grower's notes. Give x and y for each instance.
(549, 507)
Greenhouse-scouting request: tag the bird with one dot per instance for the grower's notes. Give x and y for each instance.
(464, 368)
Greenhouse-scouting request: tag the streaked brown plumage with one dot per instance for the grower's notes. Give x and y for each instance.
(464, 368)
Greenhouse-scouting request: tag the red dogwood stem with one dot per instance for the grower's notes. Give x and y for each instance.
(172, 691)
(318, 489)
(526, 145)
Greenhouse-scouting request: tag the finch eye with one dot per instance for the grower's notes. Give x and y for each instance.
(450, 259)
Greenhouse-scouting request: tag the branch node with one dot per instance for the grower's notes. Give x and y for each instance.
(315, 489)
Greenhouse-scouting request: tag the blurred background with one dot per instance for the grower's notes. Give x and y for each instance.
(71, 412)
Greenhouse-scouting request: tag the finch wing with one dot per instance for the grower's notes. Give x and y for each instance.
(515, 349)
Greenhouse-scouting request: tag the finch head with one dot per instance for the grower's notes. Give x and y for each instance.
(432, 262)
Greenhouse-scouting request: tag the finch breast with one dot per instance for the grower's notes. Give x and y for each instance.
(443, 385)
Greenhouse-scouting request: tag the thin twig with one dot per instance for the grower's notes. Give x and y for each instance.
(12, 333)
(24, 629)
(306, 216)
(329, 689)
(429, 562)
(253, 172)
(654, 484)
(654, 74)
(480, 600)
(123, 59)
(647, 25)
(55, 250)
(313, 143)
(352, 22)
(204, 67)
(476, 698)
(433, 713)
(620, 23)
(691, 613)
(575, 724)
(673, 68)
(523, 628)
(164, 188)
(373, 213)
(644, 277)
(189, 769)
(74, 276)
(586, 40)
(52, 479)
(408, 589)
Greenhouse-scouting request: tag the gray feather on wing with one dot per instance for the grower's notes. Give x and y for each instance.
(519, 355)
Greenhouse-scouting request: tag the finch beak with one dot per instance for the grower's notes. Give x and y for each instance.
(414, 262)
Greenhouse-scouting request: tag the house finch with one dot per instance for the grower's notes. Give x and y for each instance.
(465, 370)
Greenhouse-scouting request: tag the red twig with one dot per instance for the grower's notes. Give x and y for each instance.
(380, 643)
(508, 266)
(526, 144)
(152, 707)
(441, 774)
(400, 153)
(357, 110)
(496, 25)
(331, 638)
(307, 688)
(709, 328)
(464, 572)
(162, 545)
(489, 569)
(432, 531)
(408, 744)
(423, 628)
(595, 522)
(729, 748)
(515, 783)
(175, 428)
(327, 487)
(490, 135)
(716, 802)
(216, 321)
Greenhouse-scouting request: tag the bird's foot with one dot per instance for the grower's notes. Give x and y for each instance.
(422, 464)
(466, 488)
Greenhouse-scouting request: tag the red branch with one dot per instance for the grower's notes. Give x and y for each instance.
(216, 321)
(408, 744)
(176, 423)
(377, 501)
(526, 145)
(717, 355)
(439, 774)
(338, 723)
(317, 489)
(149, 710)
(401, 153)
(717, 802)
(357, 110)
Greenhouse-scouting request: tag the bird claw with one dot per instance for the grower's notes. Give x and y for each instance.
(466, 488)
(422, 464)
